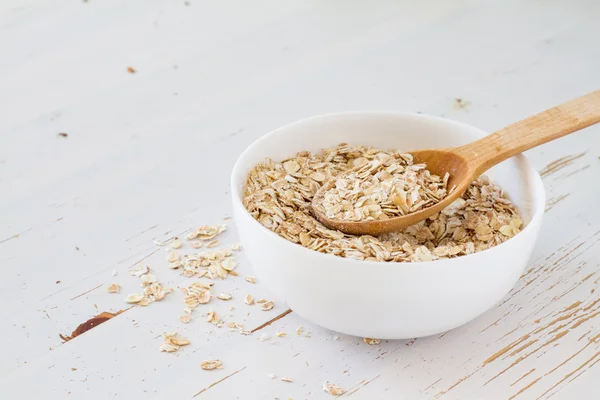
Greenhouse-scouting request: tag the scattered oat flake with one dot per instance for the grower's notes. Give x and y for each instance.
(175, 265)
(236, 247)
(371, 341)
(213, 318)
(179, 341)
(207, 232)
(172, 342)
(299, 330)
(267, 306)
(134, 298)
(212, 243)
(286, 379)
(229, 264)
(250, 279)
(249, 299)
(261, 301)
(147, 279)
(191, 236)
(176, 244)
(224, 296)
(139, 270)
(167, 347)
(113, 288)
(185, 319)
(196, 244)
(209, 365)
(145, 301)
(173, 257)
(332, 389)
(280, 334)
(205, 297)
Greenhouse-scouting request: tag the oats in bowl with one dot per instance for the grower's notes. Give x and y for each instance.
(381, 185)
(376, 184)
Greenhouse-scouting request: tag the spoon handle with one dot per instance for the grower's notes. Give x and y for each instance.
(531, 132)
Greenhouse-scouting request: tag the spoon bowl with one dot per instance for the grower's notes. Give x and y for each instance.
(438, 162)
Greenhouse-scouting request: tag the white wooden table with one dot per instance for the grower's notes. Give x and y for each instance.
(148, 157)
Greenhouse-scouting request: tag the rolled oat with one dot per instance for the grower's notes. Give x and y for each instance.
(279, 194)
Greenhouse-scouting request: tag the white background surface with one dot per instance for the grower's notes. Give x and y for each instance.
(149, 154)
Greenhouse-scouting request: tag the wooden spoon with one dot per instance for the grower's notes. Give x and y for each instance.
(466, 163)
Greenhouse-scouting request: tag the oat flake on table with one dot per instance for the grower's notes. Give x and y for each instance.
(332, 389)
(172, 342)
(209, 365)
(371, 341)
(279, 195)
(113, 288)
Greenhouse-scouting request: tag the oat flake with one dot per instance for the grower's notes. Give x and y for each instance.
(224, 296)
(209, 365)
(134, 298)
(113, 288)
(332, 389)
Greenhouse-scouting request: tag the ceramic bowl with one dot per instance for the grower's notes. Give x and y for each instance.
(377, 299)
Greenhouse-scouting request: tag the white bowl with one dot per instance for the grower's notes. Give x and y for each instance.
(377, 299)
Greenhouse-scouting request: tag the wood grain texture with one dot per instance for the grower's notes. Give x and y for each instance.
(148, 156)
(531, 132)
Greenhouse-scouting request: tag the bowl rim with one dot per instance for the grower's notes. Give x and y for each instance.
(538, 194)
